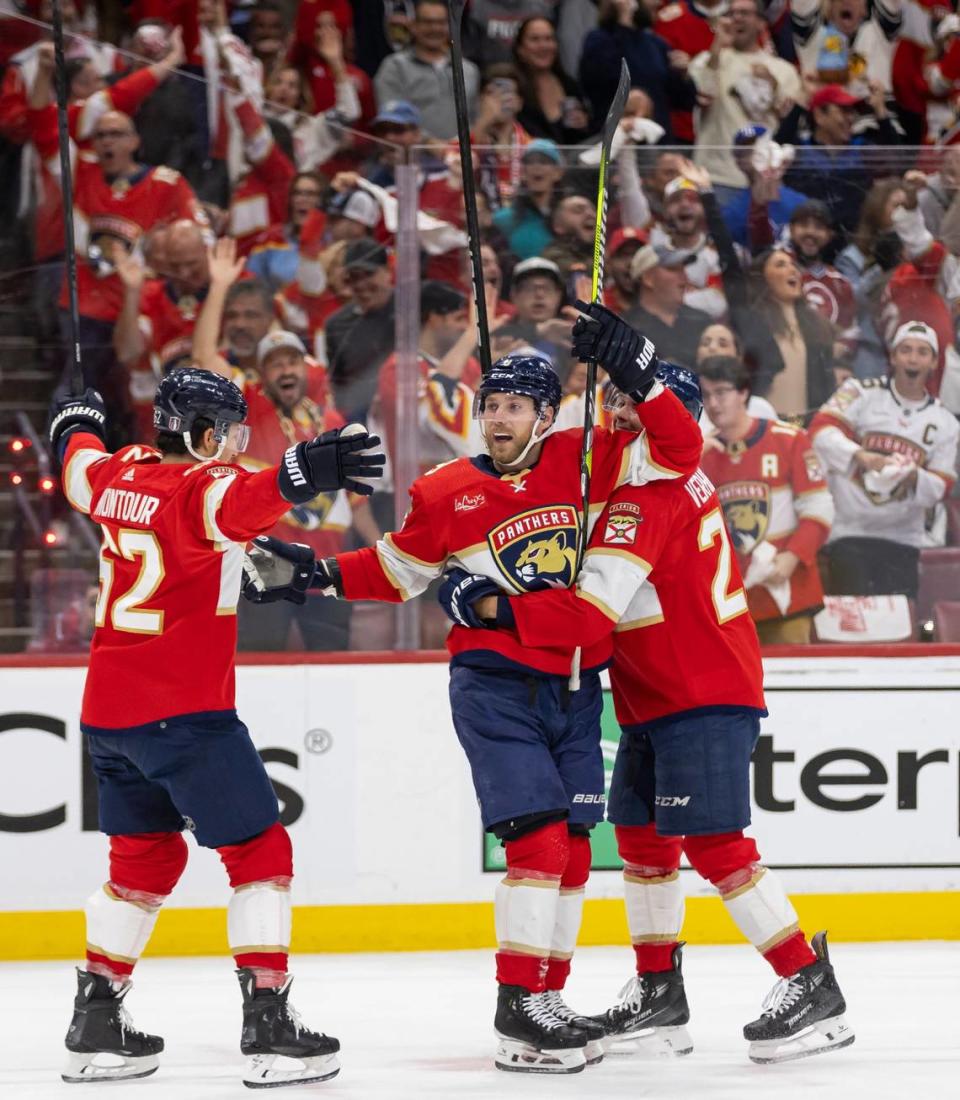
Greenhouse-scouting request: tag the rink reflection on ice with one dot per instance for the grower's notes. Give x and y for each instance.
(419, 1025)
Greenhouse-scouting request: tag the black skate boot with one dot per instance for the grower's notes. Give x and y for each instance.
(103, 1043)
(802, 1015)
(652, 1015)
(531, 1038)
(271, 1030)
(593, 1051)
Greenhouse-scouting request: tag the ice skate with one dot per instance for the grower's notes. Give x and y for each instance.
(272, 1030)
(531, 1039)
(102, 1041)
(595, 1032)
(802, 1015)
(652, 1015)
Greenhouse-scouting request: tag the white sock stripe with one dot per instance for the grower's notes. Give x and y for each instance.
(567, 926)
(117, 928)
(762, 911)
(259, 913)
(526, 914)
(654, 909)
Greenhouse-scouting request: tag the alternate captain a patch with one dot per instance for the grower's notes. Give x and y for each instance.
(537, 549)
(746, 508)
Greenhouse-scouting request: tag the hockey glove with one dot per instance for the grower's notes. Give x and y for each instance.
(77, 414)
(275, 570)
(629, 357)
(458, 592)
(335, 460)
(326, 577)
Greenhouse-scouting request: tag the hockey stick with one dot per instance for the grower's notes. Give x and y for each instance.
(455, 16)
(66, 190)
(596, 291)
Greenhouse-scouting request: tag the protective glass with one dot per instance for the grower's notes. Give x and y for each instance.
(613, 399)
(235, 437)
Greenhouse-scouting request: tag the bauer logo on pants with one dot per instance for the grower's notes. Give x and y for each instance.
(537, 549)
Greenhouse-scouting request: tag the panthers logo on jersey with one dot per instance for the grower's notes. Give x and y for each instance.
(746, 508)
(538, 548)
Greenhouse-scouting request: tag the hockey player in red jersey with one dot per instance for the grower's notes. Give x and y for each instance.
(511, 517)
(660, 579)
(158, 707)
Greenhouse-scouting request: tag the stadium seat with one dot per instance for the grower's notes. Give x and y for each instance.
(946, 617)
(939, 579)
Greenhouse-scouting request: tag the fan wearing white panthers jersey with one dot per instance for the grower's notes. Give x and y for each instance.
(890, 450)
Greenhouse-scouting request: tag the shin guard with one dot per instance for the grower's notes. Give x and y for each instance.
(525, 905)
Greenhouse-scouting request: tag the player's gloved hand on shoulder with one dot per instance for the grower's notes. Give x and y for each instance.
(629, 357)
(458, 593)
(274, 570)
(77, 414)
(340, 459)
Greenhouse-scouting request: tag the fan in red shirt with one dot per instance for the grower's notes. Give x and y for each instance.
(775, 501)
(282, 415)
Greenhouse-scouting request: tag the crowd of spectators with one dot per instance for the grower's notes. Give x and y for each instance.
(784, 220)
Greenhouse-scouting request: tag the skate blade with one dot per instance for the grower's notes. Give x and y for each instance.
(656, 1042)
(593, 1052)
(82, 1068)
(263, 1072)
(514, 1056)
(820, 1038)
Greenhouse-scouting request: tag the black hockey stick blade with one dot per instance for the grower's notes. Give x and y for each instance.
(455, 16)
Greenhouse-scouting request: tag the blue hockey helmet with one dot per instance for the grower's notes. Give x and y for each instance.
(684, 384)
(188, 394)
(527, 375)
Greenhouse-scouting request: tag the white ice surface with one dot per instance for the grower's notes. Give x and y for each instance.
(420, 1026)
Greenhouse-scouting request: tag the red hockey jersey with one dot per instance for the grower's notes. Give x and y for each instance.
(519, 529)
(773, 490)
(170, 568)
(661, 579)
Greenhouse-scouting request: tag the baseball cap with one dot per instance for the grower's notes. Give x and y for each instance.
(358, 206)
(536, 265)
(273, 341)
(657, 255)
(678, 184)
(364, 254)
(747, 135)
(543, 147)
(916, 330)
(833, 94)
(619, 237)
(812, 208)
(397, 112)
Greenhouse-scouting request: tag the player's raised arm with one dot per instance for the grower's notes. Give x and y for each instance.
(671, 443)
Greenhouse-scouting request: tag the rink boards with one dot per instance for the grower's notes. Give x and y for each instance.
(856, 788)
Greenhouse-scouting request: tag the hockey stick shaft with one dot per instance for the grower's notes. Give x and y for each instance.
(596, 290)
(66, 191)
(455, 15)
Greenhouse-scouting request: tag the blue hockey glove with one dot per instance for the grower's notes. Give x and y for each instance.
(459, 591)
(274, 570)
(77, 414)
(335, 460)
(629, 357)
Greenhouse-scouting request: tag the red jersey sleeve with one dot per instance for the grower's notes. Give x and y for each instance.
(403, 563)
(669, 447)
(229, 505)
(84, 462)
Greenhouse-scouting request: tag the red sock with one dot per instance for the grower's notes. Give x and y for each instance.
(791, 955)
(654, 958)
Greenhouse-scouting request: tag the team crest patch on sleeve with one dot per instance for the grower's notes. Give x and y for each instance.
(621, 530)
(812, 463)
(537, 549)
(746, 508)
